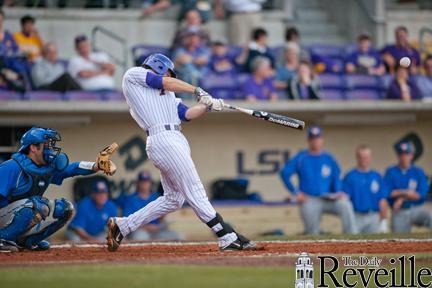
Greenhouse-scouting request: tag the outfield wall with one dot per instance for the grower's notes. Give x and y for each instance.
(232, 144)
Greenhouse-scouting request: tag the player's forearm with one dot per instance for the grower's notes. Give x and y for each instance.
(383, 208)
(196, 111)
(177, 86)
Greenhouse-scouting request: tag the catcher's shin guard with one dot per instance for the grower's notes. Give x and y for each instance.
(63, 211)
(20, 217)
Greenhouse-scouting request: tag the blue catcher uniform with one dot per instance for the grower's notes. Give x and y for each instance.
(26, 217)
(411, 212)
(366, 189)
(319, 177)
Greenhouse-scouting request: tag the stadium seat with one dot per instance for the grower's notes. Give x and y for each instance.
(332, 94)
(223, 86)
(331, 51)
(10, 95)
(363, 94)
(113, 96)
(43, 96)
(141, 51)
(362, 82)
(331, 81)
(83, 95)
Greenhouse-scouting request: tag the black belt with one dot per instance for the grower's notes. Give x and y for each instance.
(167, 128)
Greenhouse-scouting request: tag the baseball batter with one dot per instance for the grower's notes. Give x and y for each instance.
(149, 91)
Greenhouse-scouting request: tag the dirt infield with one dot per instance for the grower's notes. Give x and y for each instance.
(272, 253)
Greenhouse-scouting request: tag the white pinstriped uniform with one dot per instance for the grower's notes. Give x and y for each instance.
(168, 150)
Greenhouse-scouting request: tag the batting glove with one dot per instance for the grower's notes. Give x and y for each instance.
(199, 93)
(217, 105)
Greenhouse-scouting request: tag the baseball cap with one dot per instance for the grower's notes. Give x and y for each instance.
(100, 186)
(144, 176)
(80, 38)
(404, 148)
(315, 131)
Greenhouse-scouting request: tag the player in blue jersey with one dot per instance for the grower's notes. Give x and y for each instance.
(408, 187)
(320, 187)
(27, 218)
(367, 192)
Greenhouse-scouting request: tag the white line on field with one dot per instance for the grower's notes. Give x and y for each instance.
(144, 244)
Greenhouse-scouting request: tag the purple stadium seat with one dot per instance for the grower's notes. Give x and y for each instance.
(362, 81)
(385, 81)
(10, 95)
(83, 95)
(349, 49)
(141, 51)
(331, 81)
(235, 50)
(331, 51)
(332, 94)
(113, 96)
(43, 96)
(223, 86)
(363, 94)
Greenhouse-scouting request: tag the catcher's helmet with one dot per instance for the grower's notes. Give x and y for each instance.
(38, 135)
(160, 64)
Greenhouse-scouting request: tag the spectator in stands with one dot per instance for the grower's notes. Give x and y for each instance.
(320, 187)
(392, 54)
(13, 68)
(289, 66)
(244, 16)
(8, 45)
(293, 35)
(192, 20)
(92, 215)
(257, 47)
(192, 58)
(366, 189)
(365, 59)
(221, 61)
(408, 188)
(403, 87)
(92, 70)
(49, 74)
(29, 40)
(304, 85)
(424, 82)
(259, 86)
(202, 6)
(155, 230)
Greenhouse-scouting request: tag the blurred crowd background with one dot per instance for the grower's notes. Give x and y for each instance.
(245, 67)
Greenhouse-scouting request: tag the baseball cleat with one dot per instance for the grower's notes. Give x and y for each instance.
(114, 237)
(7, 246)
(242, 243)
(41, 246)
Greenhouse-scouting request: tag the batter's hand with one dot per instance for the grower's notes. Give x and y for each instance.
(199, 93)
(217, 105)
(211, 103)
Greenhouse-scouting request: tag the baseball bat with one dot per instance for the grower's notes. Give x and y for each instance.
(270, 117)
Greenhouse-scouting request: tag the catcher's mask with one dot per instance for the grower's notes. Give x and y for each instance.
(52, 153)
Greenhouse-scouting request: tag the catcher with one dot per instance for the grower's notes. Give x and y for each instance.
(26, 217)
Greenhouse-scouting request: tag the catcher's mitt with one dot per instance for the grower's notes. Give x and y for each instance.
(103, 161)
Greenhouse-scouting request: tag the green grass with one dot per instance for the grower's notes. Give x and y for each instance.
(156, 276)
(130, 276)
